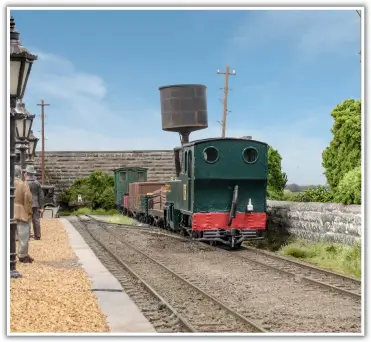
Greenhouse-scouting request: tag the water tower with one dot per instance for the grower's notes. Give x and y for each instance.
(183, 109)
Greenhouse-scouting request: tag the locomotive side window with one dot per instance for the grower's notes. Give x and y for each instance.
(211, 154)
(250, 155)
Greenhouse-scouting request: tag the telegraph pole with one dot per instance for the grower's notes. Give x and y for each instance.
(225, 101)
(360, 18)
(42, 104)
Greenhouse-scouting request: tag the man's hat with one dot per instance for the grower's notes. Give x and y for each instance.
(30, 169)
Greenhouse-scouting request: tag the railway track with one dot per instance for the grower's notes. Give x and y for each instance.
(145, 229)
(194, 308)
(313, 275)
(162, 316)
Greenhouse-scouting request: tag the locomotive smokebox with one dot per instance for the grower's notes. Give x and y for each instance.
(183, 109)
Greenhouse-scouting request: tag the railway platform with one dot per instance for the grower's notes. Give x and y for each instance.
(68, 290)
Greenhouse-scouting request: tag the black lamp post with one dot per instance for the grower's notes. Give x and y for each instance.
(22, 133)
(21, 62)
(23, 125)
(17, 160)
(32, 143)
(22, 146)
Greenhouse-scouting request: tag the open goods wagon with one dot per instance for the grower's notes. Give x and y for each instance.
(138, 194)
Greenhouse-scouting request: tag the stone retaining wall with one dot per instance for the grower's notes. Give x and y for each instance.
(307, 220)
(315, 221)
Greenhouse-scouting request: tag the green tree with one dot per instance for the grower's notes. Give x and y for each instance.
(276, 178)
(344, 152)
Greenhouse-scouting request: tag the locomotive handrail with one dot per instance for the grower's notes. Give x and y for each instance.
(232, 213)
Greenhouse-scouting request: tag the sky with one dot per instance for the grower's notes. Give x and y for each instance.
(100, 72)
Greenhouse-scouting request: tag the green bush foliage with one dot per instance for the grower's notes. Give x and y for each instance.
(107, 198)
(276, 178)
(97, 188)
(349, 190)
(314, 194)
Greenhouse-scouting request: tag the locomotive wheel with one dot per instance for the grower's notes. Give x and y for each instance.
(237, 246)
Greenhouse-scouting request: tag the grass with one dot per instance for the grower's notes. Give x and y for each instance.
(336, 257)
(115, 216)
(88, 211)
(120, 219)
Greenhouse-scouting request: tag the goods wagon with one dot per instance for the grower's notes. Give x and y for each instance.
(123, 176)
(137, 195)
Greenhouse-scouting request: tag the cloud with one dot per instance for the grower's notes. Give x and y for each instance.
(83, 116)
(311, 32)
(78, 99)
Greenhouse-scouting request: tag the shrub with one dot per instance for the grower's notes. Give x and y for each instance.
(97, 189)
(349, 190)
(107, 198)
(314, 194)
(274, 194)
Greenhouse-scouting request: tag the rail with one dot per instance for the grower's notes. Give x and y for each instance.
(244, 320)
(311, 274)
(318, 276)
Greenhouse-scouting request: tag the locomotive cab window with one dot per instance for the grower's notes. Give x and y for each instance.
(250, 155)
(211, 154)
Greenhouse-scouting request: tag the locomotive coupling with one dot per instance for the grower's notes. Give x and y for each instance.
(234, 231)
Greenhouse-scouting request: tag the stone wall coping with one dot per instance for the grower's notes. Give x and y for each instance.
(118, 151)
(316, 206)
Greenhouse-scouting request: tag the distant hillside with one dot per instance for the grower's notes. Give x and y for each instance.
(298, 188)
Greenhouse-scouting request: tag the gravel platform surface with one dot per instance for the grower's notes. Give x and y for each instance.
(54, 294)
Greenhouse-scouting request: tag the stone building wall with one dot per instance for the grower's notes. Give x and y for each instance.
(63, 168)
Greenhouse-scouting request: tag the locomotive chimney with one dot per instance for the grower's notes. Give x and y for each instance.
(183, 109)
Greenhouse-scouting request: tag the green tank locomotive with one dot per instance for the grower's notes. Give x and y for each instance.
(219, 194)
(220, 191)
